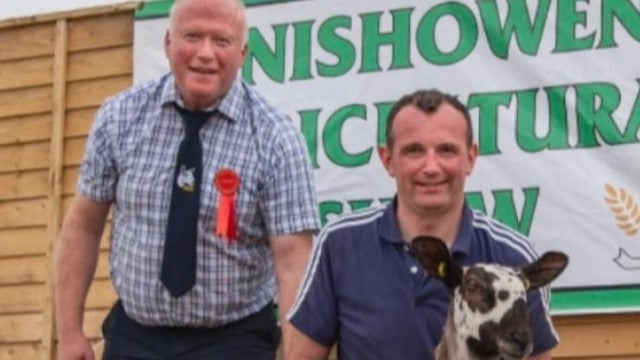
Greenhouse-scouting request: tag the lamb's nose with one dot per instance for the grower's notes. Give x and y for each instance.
(520, 338)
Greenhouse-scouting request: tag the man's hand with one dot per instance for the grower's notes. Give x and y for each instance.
(74, 346)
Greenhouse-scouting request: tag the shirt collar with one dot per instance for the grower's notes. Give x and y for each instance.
(462, 244)
(390, 229)
(231, 105)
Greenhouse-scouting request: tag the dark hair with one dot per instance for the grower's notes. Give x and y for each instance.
(428, 101)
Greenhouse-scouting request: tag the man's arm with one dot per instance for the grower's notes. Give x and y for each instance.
(76, 258)
(303, 347)
(290, 256)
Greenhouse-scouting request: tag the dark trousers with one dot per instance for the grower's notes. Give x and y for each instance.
(255, 337)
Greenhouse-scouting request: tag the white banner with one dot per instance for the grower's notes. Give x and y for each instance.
(552, 87)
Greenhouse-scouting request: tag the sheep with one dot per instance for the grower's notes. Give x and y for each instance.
(488, 317)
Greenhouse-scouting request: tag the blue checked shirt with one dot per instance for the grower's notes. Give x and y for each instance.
(130, 161)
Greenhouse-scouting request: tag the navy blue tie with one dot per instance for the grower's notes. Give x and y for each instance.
(179, 260)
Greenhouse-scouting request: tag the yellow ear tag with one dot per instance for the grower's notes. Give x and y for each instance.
(527, 284)
(442, 269)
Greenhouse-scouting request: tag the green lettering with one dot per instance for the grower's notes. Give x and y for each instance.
(596, 103)
(505, 209)
(631, 131)
(566, 20)
(626, 13)
(328, 208)
(302, 58)
(557, 132)
(383, 112)
(342, 48)
(397, 38)
(517, 22)
(332, 134)
(271, 61)
(309, 130)
(426, 33)
(487, 105)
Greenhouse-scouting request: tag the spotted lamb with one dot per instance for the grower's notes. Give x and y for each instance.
(488, 317)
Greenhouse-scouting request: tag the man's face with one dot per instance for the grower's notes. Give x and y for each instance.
(429, 159)
(205, 47)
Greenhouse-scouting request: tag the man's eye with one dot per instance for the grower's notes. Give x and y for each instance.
(191, 36)
(223, 41)
(411, 150)
(448, 150)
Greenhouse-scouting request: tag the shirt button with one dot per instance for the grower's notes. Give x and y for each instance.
(414, 269)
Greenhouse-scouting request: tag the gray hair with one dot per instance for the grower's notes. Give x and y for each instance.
(241, 17)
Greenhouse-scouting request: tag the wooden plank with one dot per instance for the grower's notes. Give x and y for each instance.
(101, 31)
(24, 328)
(20, 328)
(24, 351)
(23, 213)
(21, 129)
(23, 270)
(127, 7)
(33, 100)
(29, 156)
(15, 74)
(101, 295)
(102, 270)
(79, 122)
(54, 216)
(74, 149)
(93, 322)
(26, 41)
(90, 93)
(30, 298)
(69, 180)
(598, 336)
(23, 184)
(23, 241)
(21, 299)
(100, 63)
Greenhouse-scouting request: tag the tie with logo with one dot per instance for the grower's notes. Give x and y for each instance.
(178, 272)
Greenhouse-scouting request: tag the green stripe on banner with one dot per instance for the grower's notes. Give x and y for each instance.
(160, 8)
(595, 300)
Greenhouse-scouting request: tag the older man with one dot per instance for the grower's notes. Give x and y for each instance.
(212, 190)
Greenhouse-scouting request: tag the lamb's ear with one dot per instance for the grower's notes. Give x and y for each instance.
(435, 258)
(545, 269)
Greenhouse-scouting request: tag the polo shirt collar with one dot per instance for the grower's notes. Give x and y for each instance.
(390, 229)
(231, 105)
(462, 245)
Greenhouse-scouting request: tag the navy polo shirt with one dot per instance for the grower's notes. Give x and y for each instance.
(365, 289)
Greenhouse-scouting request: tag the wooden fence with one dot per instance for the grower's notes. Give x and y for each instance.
(55, 70)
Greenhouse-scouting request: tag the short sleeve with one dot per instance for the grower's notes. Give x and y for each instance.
(315, 311)
(98, 175)
(289, 201)
(544, 335)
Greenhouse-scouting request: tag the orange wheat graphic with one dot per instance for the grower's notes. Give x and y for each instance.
(624, 208)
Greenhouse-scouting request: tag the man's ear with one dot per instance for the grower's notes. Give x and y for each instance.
(472, 156)
(434, 256)
(167, 42)
(385, 157)
(544, 270)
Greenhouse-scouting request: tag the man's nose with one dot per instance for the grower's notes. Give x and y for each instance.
(430, 162)
(207, 49)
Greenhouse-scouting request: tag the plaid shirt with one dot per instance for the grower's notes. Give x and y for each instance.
(130, 160)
